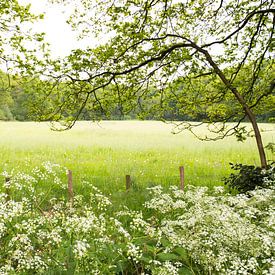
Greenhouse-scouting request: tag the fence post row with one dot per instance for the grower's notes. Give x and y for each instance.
(70, 184)
(70, 187)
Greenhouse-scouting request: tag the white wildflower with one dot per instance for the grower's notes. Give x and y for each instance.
(81, 248)
(134, 252)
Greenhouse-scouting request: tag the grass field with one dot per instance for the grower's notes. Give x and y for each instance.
(106, 230)
(104, 153)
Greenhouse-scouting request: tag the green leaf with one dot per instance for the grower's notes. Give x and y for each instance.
(165, 242)
(150, 248)
(146, 258)
(181, 252)
(185, 271)
(168, 257)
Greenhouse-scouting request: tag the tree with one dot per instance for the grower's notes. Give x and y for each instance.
(19, 44)
(6, 100)
(160, 49)
(20, 51)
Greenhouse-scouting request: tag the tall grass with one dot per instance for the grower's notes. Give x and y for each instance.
(104, 153)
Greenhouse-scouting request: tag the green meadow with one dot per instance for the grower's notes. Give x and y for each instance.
(102, 229)
(103, 153)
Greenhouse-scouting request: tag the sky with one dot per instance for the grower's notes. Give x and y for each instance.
(58, 33)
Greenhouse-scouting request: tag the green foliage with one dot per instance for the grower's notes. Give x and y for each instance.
(162, 59)
(250, 177)
(174, 232)
(20, 50)
(6, 100)
(14, 101)
(271, 147)
(158, 60)
(154, 62)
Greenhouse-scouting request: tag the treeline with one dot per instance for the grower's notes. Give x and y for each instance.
(17, 101)
(13, 100)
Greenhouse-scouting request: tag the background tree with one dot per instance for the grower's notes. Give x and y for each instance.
(212, 57)
(19, 44)
(20, 52)
(16, 98)
(6, 100)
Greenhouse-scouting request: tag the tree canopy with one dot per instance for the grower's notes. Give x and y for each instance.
(18, 43)
(212, 57)
(21, 51)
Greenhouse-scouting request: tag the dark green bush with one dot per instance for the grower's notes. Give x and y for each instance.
(249, 177)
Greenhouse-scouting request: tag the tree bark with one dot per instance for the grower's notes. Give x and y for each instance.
(258, 137)
(245, 107)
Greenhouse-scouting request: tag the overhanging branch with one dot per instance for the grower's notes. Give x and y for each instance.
(244, 23)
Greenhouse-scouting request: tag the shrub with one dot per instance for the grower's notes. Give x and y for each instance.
(249, 177)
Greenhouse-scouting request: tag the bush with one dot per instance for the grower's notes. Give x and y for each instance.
(249, 177)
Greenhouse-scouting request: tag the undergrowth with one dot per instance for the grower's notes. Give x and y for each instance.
(196, 231)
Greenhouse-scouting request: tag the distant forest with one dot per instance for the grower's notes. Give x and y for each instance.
(16, 104)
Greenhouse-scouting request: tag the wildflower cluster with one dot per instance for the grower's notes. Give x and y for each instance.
(221, 233)
(39, 182)
(198, 231)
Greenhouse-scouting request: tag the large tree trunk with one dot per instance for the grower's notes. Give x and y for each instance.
(258, 137)
(252, 119)
(245, 107)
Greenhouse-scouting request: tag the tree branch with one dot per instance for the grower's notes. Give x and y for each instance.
(248, 50)
(245, 21)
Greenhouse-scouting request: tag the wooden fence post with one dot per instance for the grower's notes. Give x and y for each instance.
(70, 187)
(128, 182)
(181, 177)
(7, 180)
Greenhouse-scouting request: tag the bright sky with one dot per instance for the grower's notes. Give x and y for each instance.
(58, 33)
